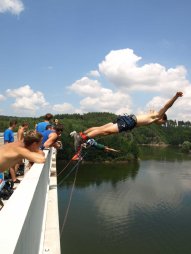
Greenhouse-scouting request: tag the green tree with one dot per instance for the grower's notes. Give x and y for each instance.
(186, 147)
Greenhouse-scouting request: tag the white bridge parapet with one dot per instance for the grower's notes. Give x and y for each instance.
(24, 217)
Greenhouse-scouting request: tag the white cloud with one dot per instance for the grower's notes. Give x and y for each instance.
(128, 88)
(94, 73)
(107, 101)
(65, 108)
(156, 103)
(86, 87)
(2, 97)
(13, 6)
(179, 111)
(98, 98)
(139, 195)
(132, 80)
(26, 99)
(121, 68)
(131, 84)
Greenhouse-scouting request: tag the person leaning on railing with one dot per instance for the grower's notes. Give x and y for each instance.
(51, 137)
(13, 153)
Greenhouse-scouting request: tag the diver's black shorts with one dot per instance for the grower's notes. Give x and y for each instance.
(126, 122)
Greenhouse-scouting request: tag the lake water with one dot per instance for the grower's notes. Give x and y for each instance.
(137, 208)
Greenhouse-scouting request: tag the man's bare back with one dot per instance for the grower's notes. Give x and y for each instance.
(157, 117)
(13, 153)
(146, 119)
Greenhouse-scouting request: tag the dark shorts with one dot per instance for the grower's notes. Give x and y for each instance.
(126, 122)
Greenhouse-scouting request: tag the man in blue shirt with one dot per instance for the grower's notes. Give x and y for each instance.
(51, 137)
(9, 134)
(41, 127)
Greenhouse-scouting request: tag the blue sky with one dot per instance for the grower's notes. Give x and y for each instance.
(79, 56)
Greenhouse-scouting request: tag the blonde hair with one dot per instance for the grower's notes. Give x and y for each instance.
(32, 137)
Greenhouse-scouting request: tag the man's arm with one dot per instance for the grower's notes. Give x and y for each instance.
(51, 140)
(169, 104)
(102, 147)
(31, 156)
(108, 149)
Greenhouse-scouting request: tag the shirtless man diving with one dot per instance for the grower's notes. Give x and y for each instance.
(126, 123)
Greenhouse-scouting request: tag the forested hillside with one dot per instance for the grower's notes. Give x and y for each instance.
(127, 143)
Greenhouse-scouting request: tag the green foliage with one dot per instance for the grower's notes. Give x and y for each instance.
(128, 147)
(186, 146)
(155, 134)
(127, 143)
(4, 122)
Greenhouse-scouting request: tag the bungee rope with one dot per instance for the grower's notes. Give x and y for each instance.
(72, 190)
(71, 169)
(70, 199)
(64, 168)
(69, 173)
(73, 186)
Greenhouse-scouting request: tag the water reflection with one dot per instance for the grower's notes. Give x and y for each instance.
(156, 185)
(132, 208)
(92, 173)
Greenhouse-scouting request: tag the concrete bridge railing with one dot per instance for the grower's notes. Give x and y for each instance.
(23, 218)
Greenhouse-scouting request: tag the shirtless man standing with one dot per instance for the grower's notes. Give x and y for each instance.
(20, 137)
(21, 131)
